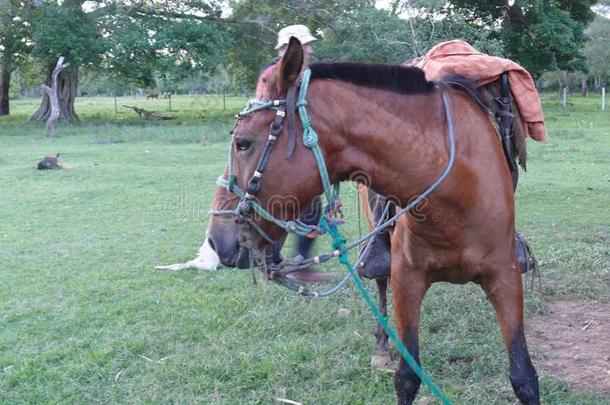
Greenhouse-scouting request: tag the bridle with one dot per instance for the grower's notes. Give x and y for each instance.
(285, 108)
(333, 216)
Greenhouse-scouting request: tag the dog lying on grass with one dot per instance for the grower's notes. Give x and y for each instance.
(49, 163)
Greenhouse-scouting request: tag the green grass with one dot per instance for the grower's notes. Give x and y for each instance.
(85, 318)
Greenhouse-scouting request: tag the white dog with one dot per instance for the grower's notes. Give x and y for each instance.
(206, 259)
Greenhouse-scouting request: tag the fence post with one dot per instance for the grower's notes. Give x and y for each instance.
(224, 99)
(565, 97)
(603, 99)
(116, 110)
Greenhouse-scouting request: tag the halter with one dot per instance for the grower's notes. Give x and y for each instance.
(333, 217)
(248, 202)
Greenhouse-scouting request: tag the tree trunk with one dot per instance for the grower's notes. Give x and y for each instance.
(66, 94)
(564, 82)
(584, 89)
(5, 82)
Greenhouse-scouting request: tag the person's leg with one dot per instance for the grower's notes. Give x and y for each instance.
(310, 215)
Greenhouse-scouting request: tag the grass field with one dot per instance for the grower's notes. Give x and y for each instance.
(84, 318)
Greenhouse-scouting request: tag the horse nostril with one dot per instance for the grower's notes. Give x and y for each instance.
(211, 243)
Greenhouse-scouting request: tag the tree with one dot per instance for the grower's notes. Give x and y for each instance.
(163, 41)
(15, 45)
(431, 22)
(598, 50)
(131, 41)
(367, 34)
(540, 34)
(65, 29)
(349, 30)
(256, 23)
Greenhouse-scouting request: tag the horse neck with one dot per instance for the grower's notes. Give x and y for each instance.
(397, 141)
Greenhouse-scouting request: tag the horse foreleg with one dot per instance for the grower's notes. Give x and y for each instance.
(505, 291)
(408, 290)
(381, 356)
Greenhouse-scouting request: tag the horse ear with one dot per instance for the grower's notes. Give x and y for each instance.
(291, 63)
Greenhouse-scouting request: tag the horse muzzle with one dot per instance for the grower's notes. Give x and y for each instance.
(223, 239)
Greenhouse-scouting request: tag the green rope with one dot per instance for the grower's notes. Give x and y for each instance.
(338, 242)
(310, 137)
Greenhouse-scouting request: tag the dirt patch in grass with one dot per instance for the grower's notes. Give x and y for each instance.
(575, 342)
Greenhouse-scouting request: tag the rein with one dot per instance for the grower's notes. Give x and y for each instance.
(329, 223)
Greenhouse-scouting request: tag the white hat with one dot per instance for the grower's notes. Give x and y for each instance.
(301, 32)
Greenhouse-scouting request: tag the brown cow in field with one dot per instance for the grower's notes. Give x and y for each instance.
(152, 95)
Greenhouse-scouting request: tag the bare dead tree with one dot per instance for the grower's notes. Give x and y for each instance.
(53, 98)
(150, 115)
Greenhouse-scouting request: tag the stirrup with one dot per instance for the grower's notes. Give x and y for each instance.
(525, 255)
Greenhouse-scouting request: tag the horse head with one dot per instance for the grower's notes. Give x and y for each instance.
(291, 183)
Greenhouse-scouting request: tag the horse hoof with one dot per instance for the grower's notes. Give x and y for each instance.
(381, 359)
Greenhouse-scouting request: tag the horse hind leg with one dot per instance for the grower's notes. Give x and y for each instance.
(381, 355)
(505, 291)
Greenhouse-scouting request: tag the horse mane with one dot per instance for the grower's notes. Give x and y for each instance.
(404, 80)
(399, 79)
(395, 78)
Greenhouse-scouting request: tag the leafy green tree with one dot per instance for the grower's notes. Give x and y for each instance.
(540, 34)
(134, 42)
(164, 41)
(367, 34)
(15, 45)
(431, 22)
(350, 30)
(65, 30)
(255, 24)
(598, 49)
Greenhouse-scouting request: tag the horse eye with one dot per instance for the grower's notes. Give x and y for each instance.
(242, 144)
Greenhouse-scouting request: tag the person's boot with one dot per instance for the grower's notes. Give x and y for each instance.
(527, 260)
(378, 262)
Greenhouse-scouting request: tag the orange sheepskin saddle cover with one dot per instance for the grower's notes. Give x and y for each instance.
(460, 58)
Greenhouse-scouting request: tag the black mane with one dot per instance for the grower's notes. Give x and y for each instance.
(396, 78)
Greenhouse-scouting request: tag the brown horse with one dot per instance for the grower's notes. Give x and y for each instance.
(388, 121)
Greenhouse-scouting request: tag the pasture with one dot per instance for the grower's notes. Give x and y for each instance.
(85, 318)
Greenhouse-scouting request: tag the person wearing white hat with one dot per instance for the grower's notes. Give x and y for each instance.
(300, 32)
(310, 214)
